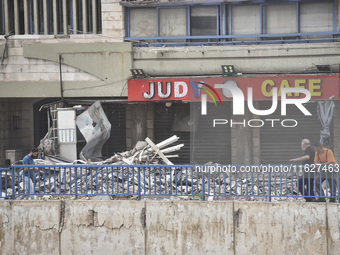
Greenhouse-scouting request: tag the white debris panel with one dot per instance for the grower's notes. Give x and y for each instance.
(96, 128)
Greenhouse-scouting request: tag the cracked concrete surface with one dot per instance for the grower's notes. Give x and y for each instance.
(92, 221)
(176, 227)
(34, 227)
(62, 215)
(99, 227)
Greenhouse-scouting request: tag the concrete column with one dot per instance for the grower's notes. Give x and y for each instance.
(16, 17)
(3, 130)
(139, 120)
(241, 140)
(256, 139)
(150, 122)
(112, 19)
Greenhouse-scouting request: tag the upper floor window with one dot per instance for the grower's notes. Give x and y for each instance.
(50, 16)
(172, 22)
(232, 23)
(204, 20)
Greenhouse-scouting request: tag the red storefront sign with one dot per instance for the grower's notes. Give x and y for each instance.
(187, 89)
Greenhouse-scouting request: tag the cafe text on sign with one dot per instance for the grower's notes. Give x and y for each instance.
(187, 89)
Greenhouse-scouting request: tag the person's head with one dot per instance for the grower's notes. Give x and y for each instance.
(304, 144)
(34, 152)
(318, 147)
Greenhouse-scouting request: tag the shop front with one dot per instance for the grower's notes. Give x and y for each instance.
(236, 120)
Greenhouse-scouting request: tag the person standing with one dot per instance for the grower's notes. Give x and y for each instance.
(28, 174)
(324, 157)
(306, 182)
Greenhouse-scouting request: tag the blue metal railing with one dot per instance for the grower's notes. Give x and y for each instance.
(262, 181)
(236, 39)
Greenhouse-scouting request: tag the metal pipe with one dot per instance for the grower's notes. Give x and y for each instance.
(334, 15)
(55, 17)
(218, 15)
(16, 17)
(65, 32)
(188, 21)
(157, 21)
(6, 17)
(297, 17)
(45, 19)
(75, 16)
(61, 79)
(225, 31)
(127, 22)
(84, 17)
(229, 18)
(35, 13)
(94, 16)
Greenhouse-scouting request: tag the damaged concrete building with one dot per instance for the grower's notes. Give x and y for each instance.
(73, 53)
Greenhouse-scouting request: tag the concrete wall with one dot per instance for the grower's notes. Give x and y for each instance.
(254, 59)
(32, 67)
(178, 227)
(18, 68)
(113, 19)
(19, 139)
(25, 74)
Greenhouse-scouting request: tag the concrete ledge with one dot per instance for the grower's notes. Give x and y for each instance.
(333, 224)
(280, 228)
(168, 227)
(187, 227)
(98, 227)
(29, 227)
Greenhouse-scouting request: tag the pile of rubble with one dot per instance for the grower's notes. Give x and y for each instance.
(64, 180)
(121, 173)
(145, 152)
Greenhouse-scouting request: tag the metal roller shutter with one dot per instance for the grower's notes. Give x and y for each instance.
(279, 144)
(205, 144)
(173, 120)
(208, 143)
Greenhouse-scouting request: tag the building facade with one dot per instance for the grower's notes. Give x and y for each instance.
(79, 51)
